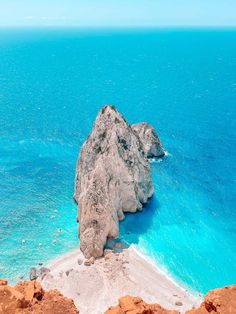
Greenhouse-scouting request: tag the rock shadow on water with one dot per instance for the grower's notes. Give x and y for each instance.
(134, 225)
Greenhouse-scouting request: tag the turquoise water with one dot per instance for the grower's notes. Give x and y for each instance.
(52, 84)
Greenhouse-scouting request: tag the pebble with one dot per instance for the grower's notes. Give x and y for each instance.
(33, 274)
(92, 260)
(87, 262)
(118, 245)
(106, 252)
(178, 303)
(107, 257)
(68, 271)
(44, 271)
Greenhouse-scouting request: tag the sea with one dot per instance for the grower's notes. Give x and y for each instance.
(53, 82)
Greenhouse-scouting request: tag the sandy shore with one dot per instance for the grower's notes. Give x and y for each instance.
(94, 288)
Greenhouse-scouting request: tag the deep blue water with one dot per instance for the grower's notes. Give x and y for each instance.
(183, 82)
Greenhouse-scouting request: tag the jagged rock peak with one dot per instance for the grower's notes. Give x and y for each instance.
(151, 142)
(112, 177)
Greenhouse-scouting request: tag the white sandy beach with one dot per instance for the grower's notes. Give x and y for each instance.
(95, 288)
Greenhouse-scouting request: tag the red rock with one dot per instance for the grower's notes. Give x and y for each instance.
(133, 305)
(219, 301)
(11, 300)
(3, 282)
(54, 303)
(32, 290)
(29, 297)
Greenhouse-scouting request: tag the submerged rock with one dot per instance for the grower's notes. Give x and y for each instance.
(151, 142)
(112, 177)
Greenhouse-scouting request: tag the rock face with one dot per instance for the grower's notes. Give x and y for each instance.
(219, 301)
(29, 297)
(151, 142)
(112, 177)
(132, 305)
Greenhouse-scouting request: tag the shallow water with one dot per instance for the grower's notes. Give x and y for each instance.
(52, 84)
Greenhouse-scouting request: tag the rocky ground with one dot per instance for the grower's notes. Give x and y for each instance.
(95, 285)
(219, 301)
(29, 297)
(135, 305)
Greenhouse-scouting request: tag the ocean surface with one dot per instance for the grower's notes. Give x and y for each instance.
(52, 84)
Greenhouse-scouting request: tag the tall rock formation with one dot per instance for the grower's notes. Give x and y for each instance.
(112, 177)
(151, 142)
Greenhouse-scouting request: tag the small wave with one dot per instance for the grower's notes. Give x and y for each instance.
(157, 160)
(167, 154)
(163, 269)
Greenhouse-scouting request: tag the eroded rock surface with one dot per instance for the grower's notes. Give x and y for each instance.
(112, 177)
(29, 297)
(218, 301)
(133, 305)
(151, 142)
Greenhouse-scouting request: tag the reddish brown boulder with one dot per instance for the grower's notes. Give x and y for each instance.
(132, 305)
(3, 282)
(11, 300)
(31, 290)
(29, 297)
(53, 303)
(218, 301)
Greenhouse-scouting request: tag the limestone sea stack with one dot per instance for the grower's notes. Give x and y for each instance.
(151, 142)
(112, 177)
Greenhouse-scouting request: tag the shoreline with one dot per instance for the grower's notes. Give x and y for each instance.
(180, 284)
(97, 287)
